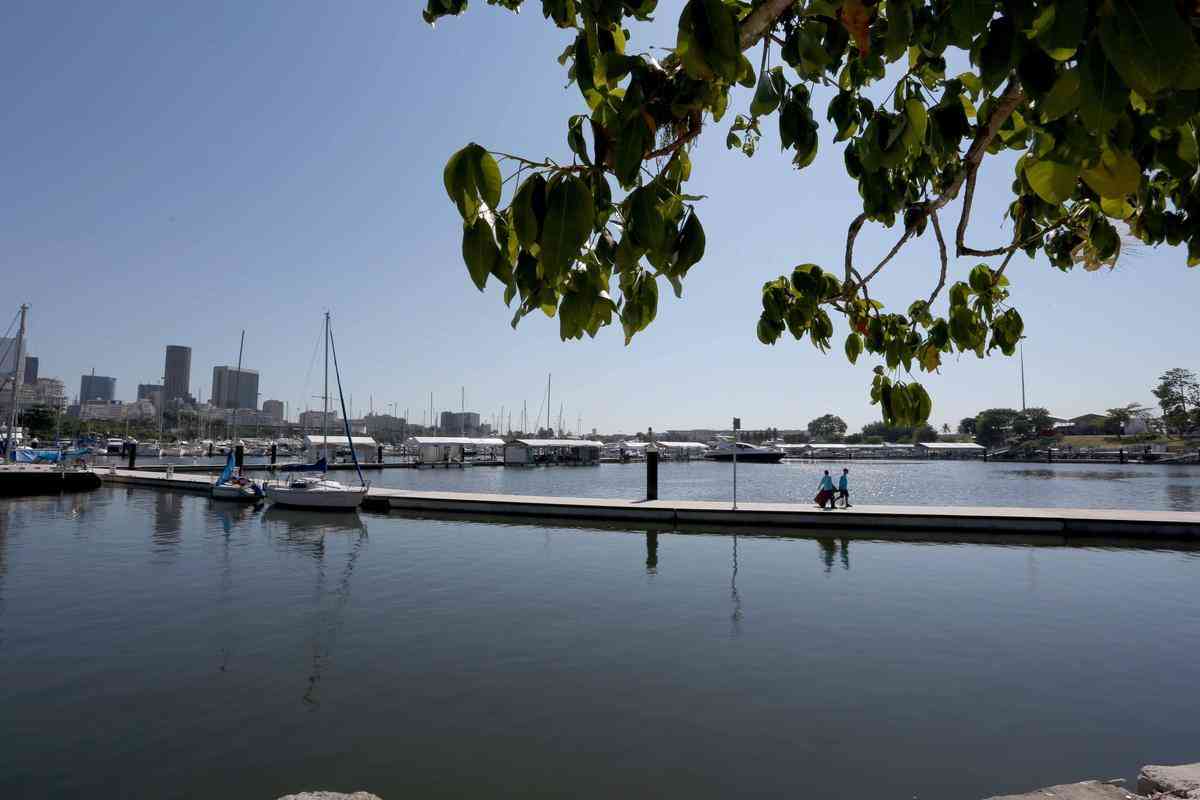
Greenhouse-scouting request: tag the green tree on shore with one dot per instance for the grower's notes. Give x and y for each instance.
(1178, 393)
(1121, 416)
(1099, 100)
(827, 428)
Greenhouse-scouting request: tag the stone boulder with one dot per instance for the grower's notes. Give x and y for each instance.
(1178, 781)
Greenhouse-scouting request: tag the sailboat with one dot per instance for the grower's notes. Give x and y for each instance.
(314, 490)
(231, 484)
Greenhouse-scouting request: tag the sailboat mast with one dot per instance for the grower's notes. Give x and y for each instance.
(18, 376)
(1022, 377)
(237, 396)
(548, 423)
(325, 396)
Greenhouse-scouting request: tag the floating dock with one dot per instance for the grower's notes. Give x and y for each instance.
(1060, 523)
(27, 479)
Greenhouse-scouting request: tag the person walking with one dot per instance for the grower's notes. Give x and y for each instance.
(844, 488)
(825, 491)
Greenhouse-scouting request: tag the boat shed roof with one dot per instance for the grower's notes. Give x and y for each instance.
(952, 446)
(355, 441)
(559, 443)
(463, 440)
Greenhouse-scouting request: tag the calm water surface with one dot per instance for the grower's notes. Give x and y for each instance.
(162, 645)
(941, 483)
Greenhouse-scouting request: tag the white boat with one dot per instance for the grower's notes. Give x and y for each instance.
(239, 489)
(315, 490)
(150, 449)
(114, 447)
(748, 453)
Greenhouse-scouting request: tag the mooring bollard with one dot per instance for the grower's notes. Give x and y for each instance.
(132, 451)
(274, 452)
(651, 471)
(239, 455)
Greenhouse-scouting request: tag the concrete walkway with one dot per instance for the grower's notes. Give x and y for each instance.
(872, 520)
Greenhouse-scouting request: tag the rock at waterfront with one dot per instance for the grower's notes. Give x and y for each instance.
(1087, 790)
(323, 795)
(1179, 781)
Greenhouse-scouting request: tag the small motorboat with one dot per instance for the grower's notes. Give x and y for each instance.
(232, 485)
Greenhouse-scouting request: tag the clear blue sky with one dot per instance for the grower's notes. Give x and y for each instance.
(174, 173)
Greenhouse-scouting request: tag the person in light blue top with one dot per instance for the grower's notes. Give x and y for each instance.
(844, 488)
(825, 491)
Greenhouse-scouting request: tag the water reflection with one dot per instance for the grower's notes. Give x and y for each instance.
(1083, 475)
(306, 532)
(168, 519)
(651, 552)
(1181, 497)
(831, 550)
(735, 619)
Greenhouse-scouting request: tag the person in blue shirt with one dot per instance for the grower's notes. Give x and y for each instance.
(844, 488)
(825, 491)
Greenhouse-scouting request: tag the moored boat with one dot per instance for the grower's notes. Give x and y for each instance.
(746, 453)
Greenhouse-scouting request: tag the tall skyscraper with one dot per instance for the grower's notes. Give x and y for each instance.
(97, 387)
(273, 409)
(177, 372)
(31, 370)
(231, 389)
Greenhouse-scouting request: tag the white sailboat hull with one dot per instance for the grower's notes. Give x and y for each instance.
(317, 495)
(229, 491)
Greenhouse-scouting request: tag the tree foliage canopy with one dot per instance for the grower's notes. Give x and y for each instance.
(827, 428)
(1100, 99)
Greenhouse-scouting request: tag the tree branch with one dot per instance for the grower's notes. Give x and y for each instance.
(1012, 97)
(937, 230)
(851, 235)
(759, 22)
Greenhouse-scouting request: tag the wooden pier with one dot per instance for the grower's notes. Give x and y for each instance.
(28, 479)
(874, 521)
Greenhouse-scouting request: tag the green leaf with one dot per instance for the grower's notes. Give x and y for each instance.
(1063, 97)
(1103, 96)
(529, 210)
(766, 96)
(575, 138)
(479, 250)
(1151, 46)
(689, 248)
(631, 149)
(998, 53)
(918, 120)
(1054, 181)
(569, 213)
(646, 224)
(708, 41)
(472, 176)
(854, 346)
(1061, 35)
(1116, 175)
(899, 28)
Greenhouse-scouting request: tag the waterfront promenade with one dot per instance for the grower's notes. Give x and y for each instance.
(876, 521)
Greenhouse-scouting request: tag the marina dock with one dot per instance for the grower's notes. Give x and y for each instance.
(875, 521)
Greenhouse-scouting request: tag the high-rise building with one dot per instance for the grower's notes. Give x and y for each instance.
(150, 391)
(177, 373)
(232, 388)
(97, 387)
(315, 421)
(31, 370)
(273, 409)
(461, 422)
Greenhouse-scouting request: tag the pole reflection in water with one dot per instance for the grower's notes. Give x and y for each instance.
(834, 549)
(651, 553)
(735, 618)
(306, 532)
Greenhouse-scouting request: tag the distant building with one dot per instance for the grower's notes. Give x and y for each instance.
(273, 409)
(315, 420)
(116, 411)
(177, 373)
(150, 391)
(463, 423)
(97, 387)
(48, 392)
(232, 388)
(31, 370)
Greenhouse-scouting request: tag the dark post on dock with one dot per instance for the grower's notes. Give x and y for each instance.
(651, 469)
(239, 455)
(131, 451)
(274, 452)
